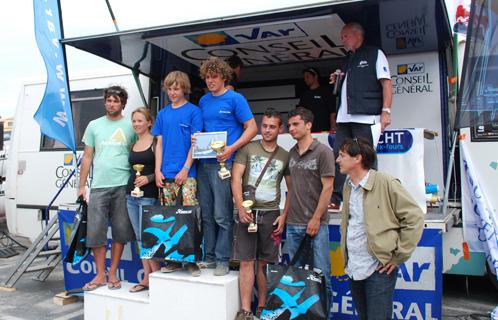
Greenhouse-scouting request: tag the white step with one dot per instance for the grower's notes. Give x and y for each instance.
(181, 296)
(171, 296)
(103, 303)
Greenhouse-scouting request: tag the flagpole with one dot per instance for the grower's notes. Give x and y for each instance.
(75, 155)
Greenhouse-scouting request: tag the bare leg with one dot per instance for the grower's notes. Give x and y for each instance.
(261, 280)
(99, 254)
(116, 252)
(149, 267)
(246, 282)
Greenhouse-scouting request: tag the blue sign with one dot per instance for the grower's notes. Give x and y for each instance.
(75, 277)
(418, 293)
(54, 114)
(395, 141)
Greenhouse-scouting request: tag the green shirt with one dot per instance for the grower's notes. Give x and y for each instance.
(254, 158)
(111, 140)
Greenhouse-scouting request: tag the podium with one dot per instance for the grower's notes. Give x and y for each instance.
(175, 295)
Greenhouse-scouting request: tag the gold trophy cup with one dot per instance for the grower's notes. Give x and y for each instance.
(218, 147)
(137, 193)
(253, 226)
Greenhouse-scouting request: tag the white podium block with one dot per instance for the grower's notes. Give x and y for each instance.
(178, 295)
(171, 296)
(103, 303)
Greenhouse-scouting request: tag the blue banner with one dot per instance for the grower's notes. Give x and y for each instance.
(75, 277)
(54, 113)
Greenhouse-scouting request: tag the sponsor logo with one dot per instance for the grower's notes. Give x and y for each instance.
(312, 277)
(210, 39)
(363, 64)
(68, 159)
(410, 68)
(395, 141)
(183, 211)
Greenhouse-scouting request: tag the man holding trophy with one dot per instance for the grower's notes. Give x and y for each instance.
(257, 172)
(222, 110)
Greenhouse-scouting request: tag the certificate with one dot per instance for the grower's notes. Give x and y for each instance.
(202, 148)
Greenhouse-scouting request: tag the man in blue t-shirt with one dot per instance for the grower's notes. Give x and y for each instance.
(222, 110)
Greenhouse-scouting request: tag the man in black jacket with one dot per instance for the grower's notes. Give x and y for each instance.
(365, 95)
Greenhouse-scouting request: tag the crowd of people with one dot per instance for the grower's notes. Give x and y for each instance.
(381, 222)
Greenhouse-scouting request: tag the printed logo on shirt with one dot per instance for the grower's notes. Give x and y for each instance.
(362, 64)
(225, 111)
(117, 138)
(317, 97)
(184, 125)
(304, 165)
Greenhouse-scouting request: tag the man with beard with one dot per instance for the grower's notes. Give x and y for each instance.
(107, 143)
(260, 165)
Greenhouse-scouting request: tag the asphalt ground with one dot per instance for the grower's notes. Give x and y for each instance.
(463, 299)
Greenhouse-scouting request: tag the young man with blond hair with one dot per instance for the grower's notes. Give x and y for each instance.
(175, 167)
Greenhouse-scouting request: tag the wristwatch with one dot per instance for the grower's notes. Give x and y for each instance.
(386, 110)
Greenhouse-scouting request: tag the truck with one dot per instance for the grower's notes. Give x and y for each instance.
(275, 47)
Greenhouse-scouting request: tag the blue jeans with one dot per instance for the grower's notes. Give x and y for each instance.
(321, 256)
(134, 206)
(215, 199)
(373, 297)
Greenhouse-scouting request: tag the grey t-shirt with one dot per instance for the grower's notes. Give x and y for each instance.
(254, 157)
(306, 172)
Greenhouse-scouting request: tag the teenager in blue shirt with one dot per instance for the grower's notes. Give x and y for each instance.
(222, 110)
(175, 167)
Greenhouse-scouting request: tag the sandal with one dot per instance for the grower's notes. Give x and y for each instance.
(114, 285)
(139, 288)
(90, 286)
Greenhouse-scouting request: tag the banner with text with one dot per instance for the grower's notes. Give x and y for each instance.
(54, 114)
(480, 221)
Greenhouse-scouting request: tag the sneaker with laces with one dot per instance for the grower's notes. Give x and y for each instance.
(193, 269)
(207, 264)
(258, 311)
(172, 267)
(221, 270)
(244, 315)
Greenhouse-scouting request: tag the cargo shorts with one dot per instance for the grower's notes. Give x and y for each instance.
(104, 205)
(261, 245)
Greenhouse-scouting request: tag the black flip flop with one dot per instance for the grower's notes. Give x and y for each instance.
(139, 288)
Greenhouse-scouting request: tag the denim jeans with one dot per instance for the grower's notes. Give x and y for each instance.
(215, 199)
(134, 206)
(321, 256)
(373, 297)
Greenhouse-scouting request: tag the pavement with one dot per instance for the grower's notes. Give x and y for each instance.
(463, 299)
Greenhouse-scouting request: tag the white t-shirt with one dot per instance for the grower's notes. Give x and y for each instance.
(382, 69)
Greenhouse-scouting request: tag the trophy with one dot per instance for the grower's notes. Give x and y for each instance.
(218, 147)
(137, 193)
(253, 226)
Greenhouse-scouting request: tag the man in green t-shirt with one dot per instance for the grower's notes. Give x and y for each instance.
(107, 141)
(263, 244)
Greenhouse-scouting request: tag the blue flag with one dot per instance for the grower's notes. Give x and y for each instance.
(54, 113)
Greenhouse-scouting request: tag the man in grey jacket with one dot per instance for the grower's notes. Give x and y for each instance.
(380, 228)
